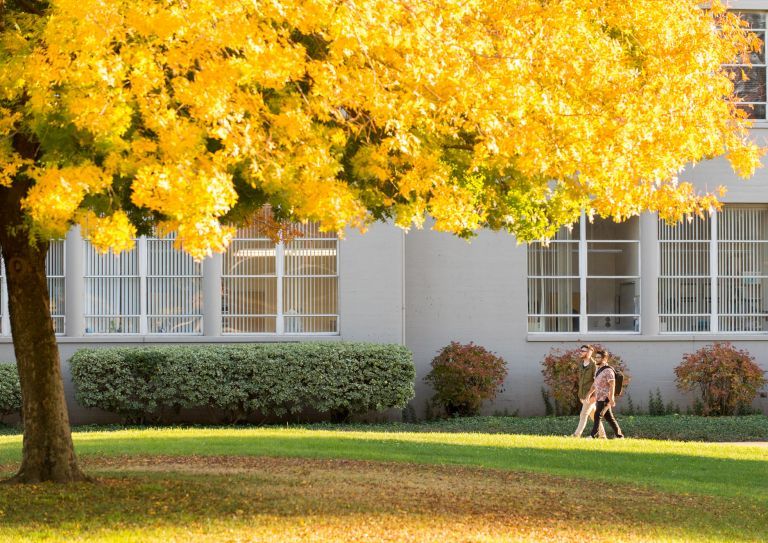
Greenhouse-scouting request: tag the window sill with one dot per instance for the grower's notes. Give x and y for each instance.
(245, 338)
(569, 337)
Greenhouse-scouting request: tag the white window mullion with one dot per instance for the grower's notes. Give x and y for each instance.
(280, 273)
(5, 319)
(714, 324)
(143, 321)
(583, 273)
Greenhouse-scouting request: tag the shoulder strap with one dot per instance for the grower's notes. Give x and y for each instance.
(606, 367)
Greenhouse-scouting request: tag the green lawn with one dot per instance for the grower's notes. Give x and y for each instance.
(272, 484)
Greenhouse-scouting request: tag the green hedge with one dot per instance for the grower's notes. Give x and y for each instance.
(10, 389)
(147, 383)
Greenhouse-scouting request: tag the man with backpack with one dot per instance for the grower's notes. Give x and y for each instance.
(604, 389)
(586, 378)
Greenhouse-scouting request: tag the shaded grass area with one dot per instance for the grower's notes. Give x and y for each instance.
(215, 498)
(698, 468)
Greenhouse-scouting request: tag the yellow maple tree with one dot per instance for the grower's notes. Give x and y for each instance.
(509, 114)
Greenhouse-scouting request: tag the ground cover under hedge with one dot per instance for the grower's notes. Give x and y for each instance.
(669, 427)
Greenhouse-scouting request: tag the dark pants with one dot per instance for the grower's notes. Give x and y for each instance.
(603, 410)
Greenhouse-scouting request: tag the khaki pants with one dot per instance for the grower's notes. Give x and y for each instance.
(587, 411)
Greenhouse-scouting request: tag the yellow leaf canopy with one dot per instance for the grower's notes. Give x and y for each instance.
(511, 114)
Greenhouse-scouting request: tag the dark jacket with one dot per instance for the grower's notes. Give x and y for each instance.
(586, 378)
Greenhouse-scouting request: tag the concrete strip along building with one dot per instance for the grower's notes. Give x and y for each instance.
(649, 292)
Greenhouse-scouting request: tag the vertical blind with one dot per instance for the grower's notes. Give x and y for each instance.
(714, 272)
(112, 292)
(54, 269)
(288, 287)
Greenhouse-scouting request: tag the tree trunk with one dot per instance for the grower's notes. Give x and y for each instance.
(48, 454)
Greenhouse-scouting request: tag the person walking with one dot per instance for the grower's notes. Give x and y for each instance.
(604, 391)
(586, 378)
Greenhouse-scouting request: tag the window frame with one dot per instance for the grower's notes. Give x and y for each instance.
(737, 67)
(280, 275)
(713, 279)
(582, 241)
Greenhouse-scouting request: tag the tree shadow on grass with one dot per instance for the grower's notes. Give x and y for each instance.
(272, 499)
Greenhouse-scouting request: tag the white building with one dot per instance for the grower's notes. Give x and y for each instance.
(647, 291)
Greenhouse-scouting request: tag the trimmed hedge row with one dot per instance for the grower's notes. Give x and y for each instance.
(146, 384)
(10, 389)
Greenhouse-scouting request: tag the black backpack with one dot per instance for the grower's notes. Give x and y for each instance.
(619, 383)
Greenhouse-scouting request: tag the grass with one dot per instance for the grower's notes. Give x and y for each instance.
(298, 484)
(672, 427)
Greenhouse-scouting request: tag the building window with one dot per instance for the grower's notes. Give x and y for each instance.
(4, 324)
(112, 291)
(586, 279)
(554, 288)
(714, 272)
(284, 288)
(152, 289)
(54, 269)
(750, 81)
(174, 289)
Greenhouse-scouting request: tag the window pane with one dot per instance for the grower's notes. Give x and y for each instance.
(742, 224)
(684, 258)
(249, 284)
(311, 325)
(742, 259)
(611, 258)
(250, 257)
(697, 229)
(689, 323)
(174, 289)
(753, 19)
(613, 304)
(553, 297)
(249, 295)
(112, 292)
(309, 295)
(686, 296)
(2, 296)
(310, 257)
(753, 111)
(54, 269)
(684, 276)
(608, 229)
(742, 304)
(748, 82)
(248, 325)
(553, 324)
(556, 260)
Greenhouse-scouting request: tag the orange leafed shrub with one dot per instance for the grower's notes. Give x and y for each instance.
(464, 376)
(727, 379)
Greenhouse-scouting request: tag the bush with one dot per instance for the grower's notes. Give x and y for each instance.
(146, 384)
(10, 389)
(727, 379)
(561, 376)
(464, 376)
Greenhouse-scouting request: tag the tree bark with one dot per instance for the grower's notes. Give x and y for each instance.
(48, 453)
